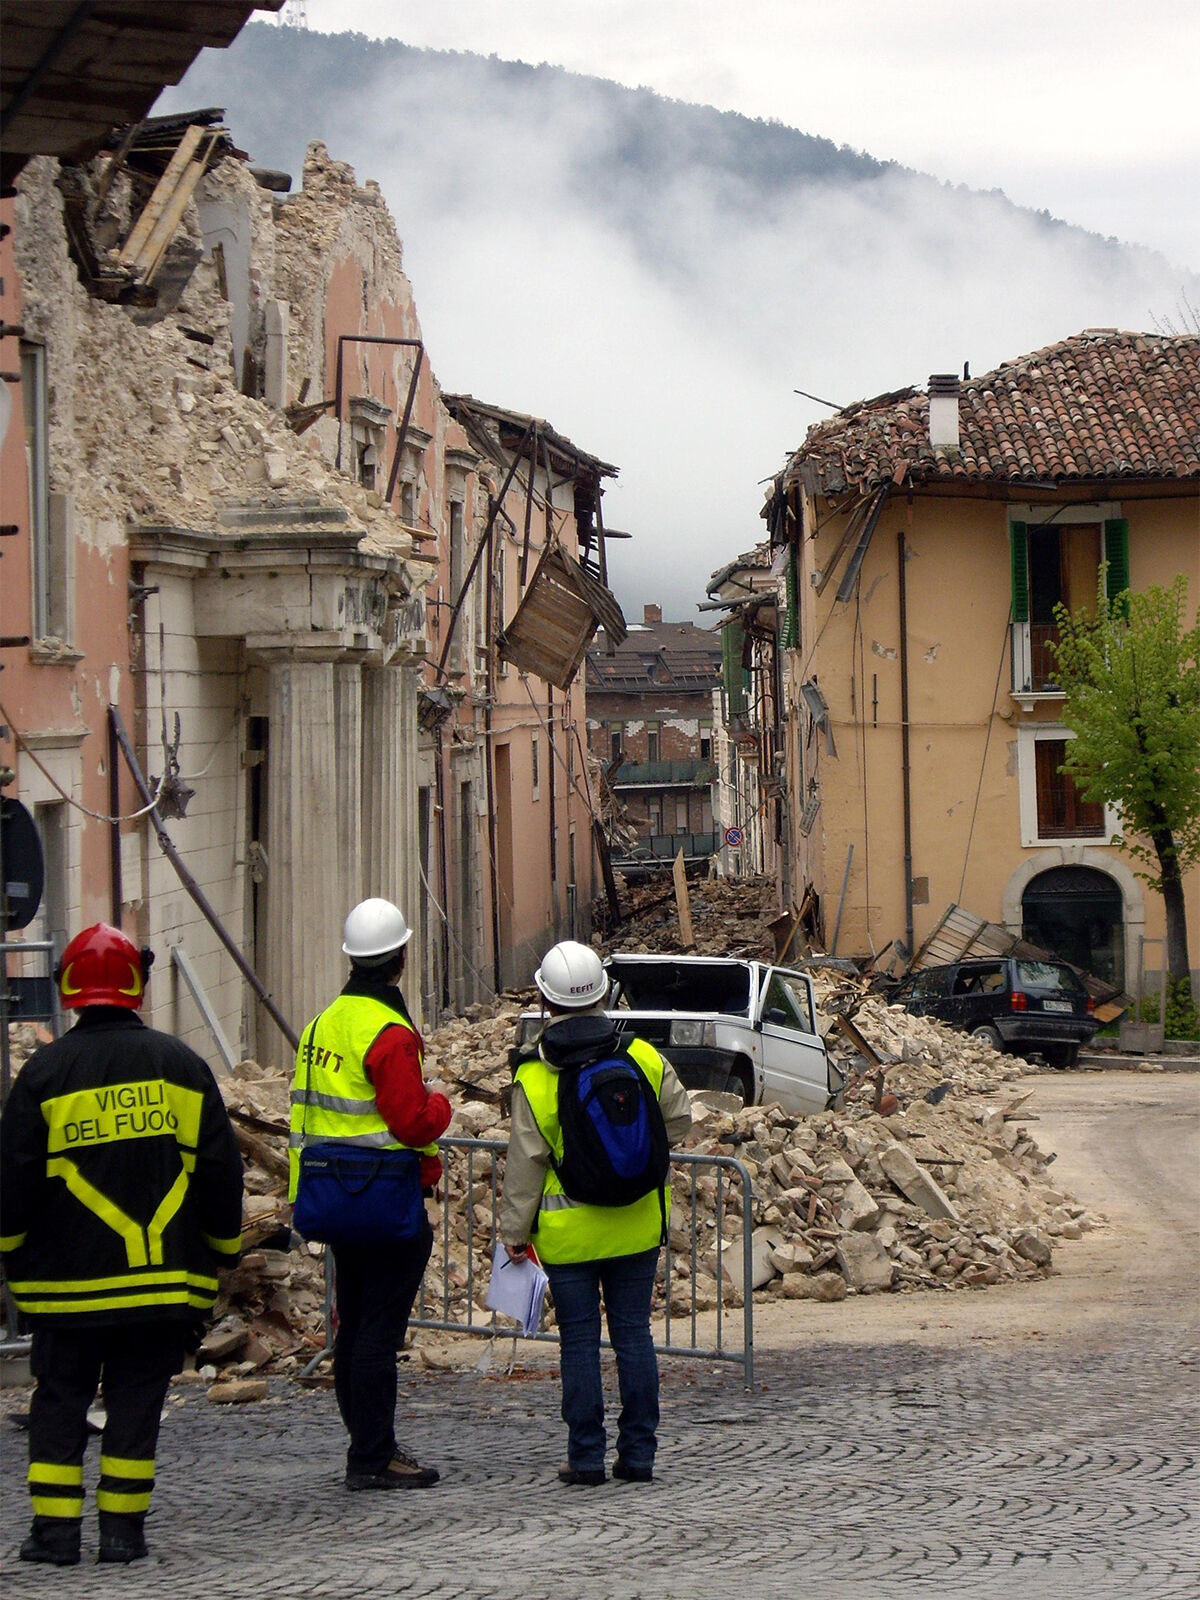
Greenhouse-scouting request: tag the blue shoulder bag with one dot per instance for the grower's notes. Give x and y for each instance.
(351, 1193)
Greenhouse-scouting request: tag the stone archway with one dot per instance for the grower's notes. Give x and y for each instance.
(1078, 913)
(1069, 887)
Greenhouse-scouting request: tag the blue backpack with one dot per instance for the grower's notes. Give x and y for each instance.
(615, 1145)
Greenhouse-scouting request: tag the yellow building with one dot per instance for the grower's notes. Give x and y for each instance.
(932, 535)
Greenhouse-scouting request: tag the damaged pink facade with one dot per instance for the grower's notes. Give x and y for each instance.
(255, 507)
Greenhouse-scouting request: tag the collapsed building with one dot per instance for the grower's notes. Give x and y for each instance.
(255, 618)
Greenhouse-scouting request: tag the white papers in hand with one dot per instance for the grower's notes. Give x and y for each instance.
(517, 1289)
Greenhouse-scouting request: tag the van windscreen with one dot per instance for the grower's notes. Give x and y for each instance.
(1048, 975)
(683, 985)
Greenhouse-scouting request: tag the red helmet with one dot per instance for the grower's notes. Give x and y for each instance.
(101, 967)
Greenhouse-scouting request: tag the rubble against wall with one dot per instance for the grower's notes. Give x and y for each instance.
(948, 1190)
(155, 430)
(944, 1188)
(730, 917)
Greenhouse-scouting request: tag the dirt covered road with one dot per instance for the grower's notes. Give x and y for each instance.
(1128, 1147)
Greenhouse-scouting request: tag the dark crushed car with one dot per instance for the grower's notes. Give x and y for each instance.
(1021, 1006)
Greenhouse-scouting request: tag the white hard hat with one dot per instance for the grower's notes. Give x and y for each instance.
(571, 975)
(374, 928)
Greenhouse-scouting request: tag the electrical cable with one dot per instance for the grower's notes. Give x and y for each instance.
(77, 805)
(862, 729)
(449, 926)
(983, 760)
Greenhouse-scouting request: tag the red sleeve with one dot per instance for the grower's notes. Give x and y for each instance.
(414, 1115)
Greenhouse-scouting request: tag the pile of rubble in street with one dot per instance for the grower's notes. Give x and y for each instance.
(929, 1177)
(934, 1183)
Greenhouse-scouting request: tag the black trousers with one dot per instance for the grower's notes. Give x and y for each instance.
(131, 1365)
(375, 1287)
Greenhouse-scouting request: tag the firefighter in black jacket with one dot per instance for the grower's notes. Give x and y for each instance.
(120, 1196)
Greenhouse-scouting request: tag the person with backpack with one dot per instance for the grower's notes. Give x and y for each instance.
(586, 1184)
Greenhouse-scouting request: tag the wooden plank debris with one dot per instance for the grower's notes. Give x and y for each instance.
(683, 900)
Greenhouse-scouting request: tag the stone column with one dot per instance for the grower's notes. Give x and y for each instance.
(348, 713)
(305, 906)
(389, 793)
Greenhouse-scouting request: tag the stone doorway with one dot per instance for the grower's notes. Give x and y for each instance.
(1079, 914)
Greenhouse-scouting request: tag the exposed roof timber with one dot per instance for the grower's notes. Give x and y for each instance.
(846, 587)
(570, 457)
(72, 70)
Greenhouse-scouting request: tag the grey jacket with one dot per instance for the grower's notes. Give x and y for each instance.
(567, 1041)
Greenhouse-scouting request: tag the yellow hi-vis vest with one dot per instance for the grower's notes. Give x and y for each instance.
(332, 1096)
(568, 1230)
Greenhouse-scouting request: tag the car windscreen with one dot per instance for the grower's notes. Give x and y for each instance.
(1048, 975)
(683, 985)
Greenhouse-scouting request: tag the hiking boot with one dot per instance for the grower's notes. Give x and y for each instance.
(122, 1547)
(581, 1477)
(121, 1539)
(632, 1474)
(56, 1546)
(402, 1472)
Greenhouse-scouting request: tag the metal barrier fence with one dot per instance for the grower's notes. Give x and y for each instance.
(465, 1236)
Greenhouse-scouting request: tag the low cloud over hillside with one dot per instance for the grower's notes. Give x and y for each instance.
(657, 279)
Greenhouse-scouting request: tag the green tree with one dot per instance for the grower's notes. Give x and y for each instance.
(1131, 675)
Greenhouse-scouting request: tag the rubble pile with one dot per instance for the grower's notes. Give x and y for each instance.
(928, 1177)
(946, 1190)
(938, 1196)
(730, 917)
(270, 1311)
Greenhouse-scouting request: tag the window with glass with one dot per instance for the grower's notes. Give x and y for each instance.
(785, 1004)
(1062, 811)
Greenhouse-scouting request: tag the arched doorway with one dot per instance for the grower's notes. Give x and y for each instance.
(1078, 913)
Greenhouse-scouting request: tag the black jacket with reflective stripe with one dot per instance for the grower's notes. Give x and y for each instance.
(120, 1177)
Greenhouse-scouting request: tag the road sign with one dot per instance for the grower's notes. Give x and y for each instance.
(21, 870)
(734, 837)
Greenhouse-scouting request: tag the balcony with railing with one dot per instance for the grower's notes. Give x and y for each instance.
(1033, 666)
(694, 774)
(653, 848)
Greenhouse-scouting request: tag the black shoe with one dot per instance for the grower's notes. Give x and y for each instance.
(632, 1474)
(56, 1547)
(122, 1547)
(581, 1477)
(401, 1472)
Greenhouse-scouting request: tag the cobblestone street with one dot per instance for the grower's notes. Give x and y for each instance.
(1043, 1448)
(1059, 1471)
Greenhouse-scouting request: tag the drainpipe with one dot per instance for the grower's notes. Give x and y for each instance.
(440, 787)
(553, 802)
(489, 766)
(116, 889)
(905, 767)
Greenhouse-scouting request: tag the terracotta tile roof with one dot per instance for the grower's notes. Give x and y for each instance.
(658, 655)
(1101, 405)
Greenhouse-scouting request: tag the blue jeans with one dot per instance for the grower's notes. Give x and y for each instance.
(627, 1282)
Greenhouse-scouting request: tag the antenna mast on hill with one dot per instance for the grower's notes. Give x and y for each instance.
(294, 14)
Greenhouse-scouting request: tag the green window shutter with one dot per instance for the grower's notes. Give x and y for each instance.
(789, 632)
(733, 672)
(1018, 533)
(1116, 553)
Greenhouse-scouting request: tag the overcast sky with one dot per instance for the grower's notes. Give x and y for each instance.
(681, 347)
(1085, 108)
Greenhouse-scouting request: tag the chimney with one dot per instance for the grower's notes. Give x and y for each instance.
(651, 613)
(943, 410)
